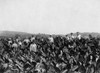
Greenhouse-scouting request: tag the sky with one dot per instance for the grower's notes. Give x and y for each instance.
(50, 16)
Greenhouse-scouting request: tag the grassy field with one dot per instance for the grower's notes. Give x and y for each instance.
(24, 34)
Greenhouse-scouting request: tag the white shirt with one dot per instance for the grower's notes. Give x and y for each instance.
(51, 39)
(9, 42)
(5, 65)
(67, 37)
(72, 37)
(33, 47)
(33, 38)
(79, 36)
(20, 43)
(14, 45)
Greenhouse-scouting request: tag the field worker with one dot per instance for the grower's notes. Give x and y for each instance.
(10, 41)
(17, 39)
(51, 39)
(67, 37)
(72, 36)
(32, 38)
(33, 47)
(78, 36)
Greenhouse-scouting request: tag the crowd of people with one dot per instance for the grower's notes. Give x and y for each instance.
(59, 54)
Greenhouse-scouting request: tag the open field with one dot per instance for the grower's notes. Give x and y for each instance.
(24, 34)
